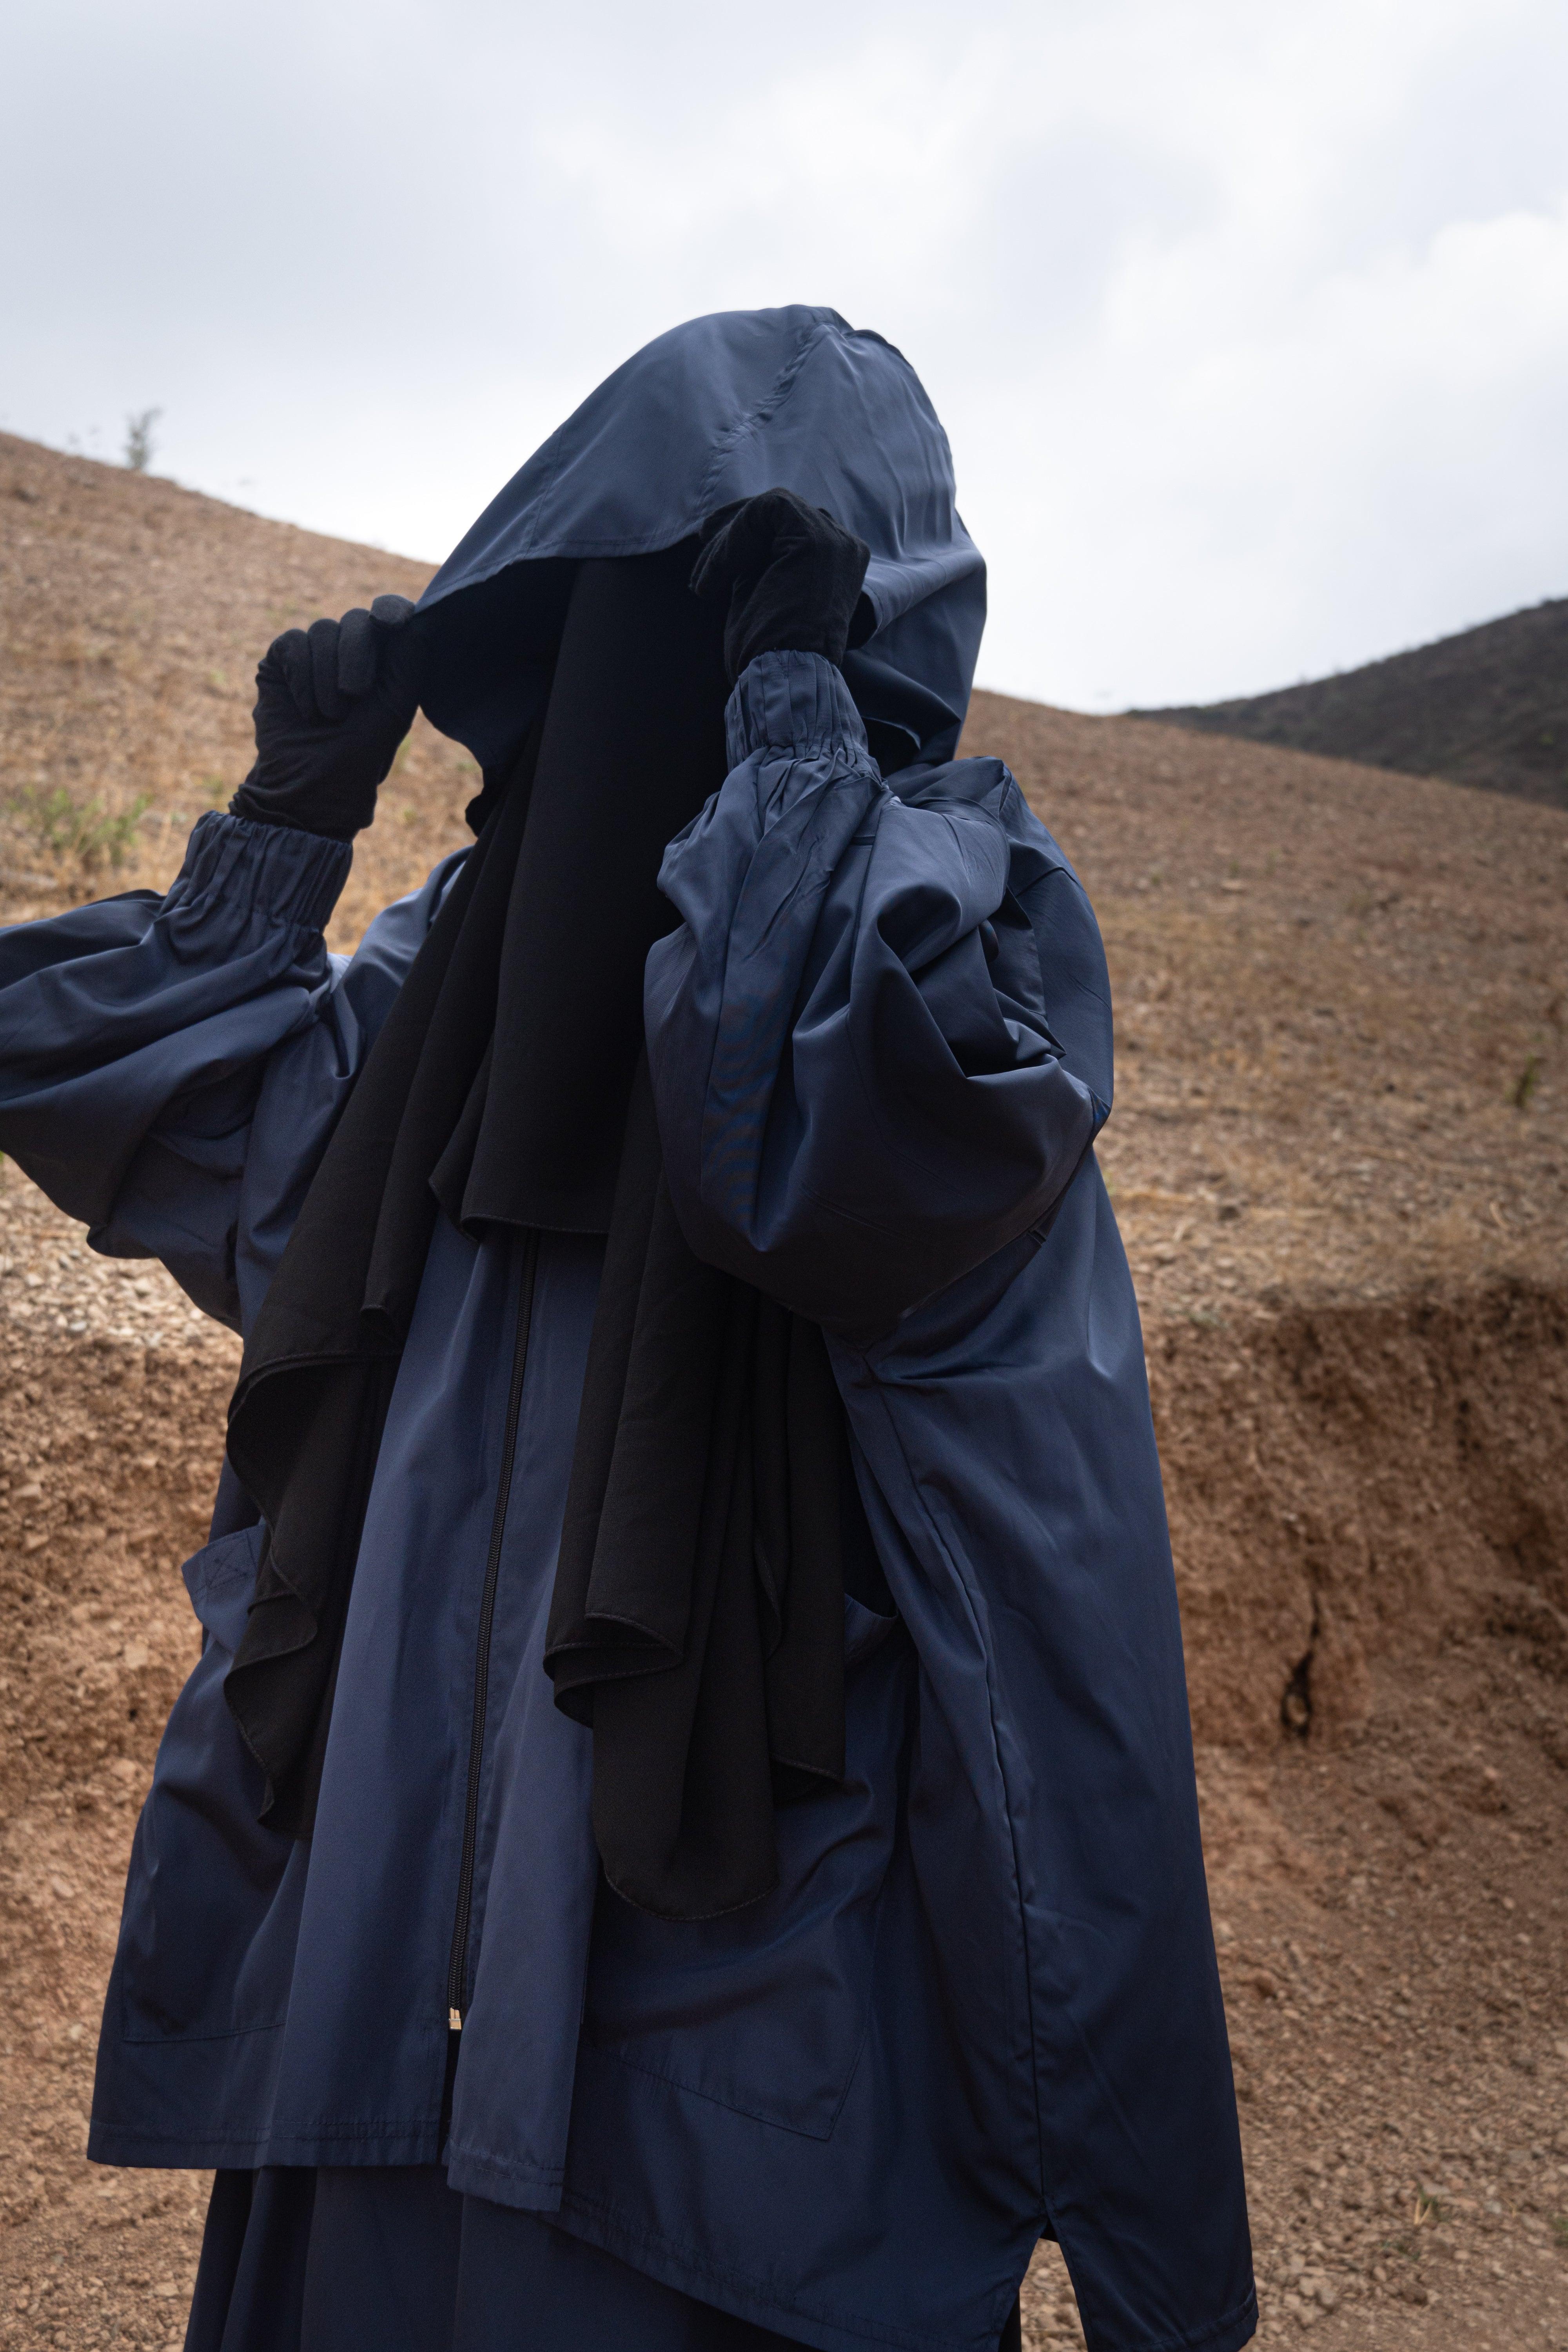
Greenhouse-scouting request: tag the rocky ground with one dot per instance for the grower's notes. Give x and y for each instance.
(1340, 1156)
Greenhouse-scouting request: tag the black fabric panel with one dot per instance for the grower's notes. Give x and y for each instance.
(634, 1501)
(487, 656)
(633, 745)
(697, 1618)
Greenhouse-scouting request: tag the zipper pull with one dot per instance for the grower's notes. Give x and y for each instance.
(453, 2021)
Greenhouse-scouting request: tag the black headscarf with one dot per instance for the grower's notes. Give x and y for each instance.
(697, 1621)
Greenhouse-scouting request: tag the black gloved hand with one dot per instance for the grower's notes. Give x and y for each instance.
(790, 575)
(332, 704)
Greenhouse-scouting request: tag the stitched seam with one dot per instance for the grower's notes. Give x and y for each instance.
(917, 1489)
(136, 2133)
(178, 2041)
(510, 2166)
(762, 410)
(1193, 2343)
(730, 2106)
(758, 2115)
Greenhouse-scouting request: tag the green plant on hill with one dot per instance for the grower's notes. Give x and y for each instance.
(82, 835)
(138, 442)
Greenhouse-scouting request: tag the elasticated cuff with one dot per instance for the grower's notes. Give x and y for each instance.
(795, 703)
(270, 870)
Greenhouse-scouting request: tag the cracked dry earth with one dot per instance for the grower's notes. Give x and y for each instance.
(1340, 1156)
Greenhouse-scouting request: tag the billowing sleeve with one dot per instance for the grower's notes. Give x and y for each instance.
(171, 1069)
(862, 1090)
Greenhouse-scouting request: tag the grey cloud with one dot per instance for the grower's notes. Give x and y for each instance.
(1176, 279)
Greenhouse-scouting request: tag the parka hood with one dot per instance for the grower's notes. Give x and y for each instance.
(714, 411)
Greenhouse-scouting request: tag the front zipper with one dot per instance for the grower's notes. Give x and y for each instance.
(458, 1968)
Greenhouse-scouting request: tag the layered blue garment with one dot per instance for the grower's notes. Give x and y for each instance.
(983, 2002)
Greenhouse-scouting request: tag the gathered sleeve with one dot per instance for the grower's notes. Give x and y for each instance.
(171, 1068)
(864, 1087)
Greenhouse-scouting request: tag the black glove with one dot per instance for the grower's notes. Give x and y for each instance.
(333, 705)
(790, 575)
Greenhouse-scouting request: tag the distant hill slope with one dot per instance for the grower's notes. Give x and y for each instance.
(1488, 706)
(133, 615)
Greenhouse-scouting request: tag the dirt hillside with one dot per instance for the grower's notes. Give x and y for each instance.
(1488, 706)
(1339, 1157)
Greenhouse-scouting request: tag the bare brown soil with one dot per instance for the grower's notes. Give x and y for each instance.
(133, 615)
(1339, 1155)
(1488, 707)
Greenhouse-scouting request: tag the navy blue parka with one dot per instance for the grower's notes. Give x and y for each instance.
(983, 2001)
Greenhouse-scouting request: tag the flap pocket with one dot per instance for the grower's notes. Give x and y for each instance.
(212, 1901)
(764, 2009)
(221, 1581)
(865, 1630)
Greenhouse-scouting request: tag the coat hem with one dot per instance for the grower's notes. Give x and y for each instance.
(745, 2297)
(1225, 2335)
(526, 2188)
(239, 2151)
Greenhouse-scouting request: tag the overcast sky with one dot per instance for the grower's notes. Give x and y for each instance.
(1247, 319)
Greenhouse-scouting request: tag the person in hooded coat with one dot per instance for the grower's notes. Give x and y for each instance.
(683, 1830)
